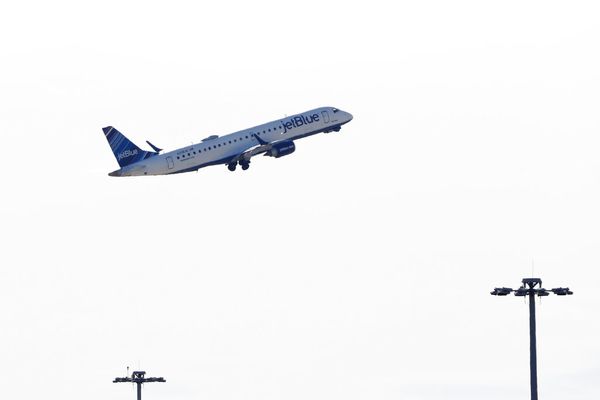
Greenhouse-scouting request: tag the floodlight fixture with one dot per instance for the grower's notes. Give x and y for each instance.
(139, 378)
(532, 287)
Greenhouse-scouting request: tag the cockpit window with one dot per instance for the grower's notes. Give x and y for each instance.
(334, 110)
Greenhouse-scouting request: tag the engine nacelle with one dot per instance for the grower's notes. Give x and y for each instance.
(281, 149)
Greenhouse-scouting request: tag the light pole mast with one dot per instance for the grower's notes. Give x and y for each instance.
(138, 377)
(532, 287)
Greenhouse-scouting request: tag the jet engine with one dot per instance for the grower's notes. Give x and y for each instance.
(281, 149)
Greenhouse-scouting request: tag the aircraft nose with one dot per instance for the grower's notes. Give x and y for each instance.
(350, 116)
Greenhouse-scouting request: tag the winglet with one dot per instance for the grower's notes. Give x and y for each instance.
(156, 149)
(259, 139)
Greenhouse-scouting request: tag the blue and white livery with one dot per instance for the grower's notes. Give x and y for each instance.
(274, 139)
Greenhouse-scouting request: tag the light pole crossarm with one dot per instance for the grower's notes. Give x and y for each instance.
(139, 378)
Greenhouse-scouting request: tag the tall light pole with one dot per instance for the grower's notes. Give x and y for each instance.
(138, 377)
(532, 287)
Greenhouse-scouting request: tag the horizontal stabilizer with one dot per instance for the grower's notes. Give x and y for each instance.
(156, 149)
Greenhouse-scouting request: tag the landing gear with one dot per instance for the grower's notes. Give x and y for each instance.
(245, 164)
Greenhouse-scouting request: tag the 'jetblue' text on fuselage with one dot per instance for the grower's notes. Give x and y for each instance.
(298, 121)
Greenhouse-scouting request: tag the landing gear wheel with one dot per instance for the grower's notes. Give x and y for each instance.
(231, 166)
(245, 165)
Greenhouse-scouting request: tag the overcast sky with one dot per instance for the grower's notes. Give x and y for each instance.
(357, 268)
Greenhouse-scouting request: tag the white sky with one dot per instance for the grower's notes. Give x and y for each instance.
(357, 268)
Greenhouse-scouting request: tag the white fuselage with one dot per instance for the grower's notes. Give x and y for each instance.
(222, 150)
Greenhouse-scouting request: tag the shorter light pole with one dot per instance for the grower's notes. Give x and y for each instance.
(532, 287)
(138, 377)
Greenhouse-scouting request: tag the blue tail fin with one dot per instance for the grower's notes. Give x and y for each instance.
(124, 150)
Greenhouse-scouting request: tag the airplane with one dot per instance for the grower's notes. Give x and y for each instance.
(273, 139)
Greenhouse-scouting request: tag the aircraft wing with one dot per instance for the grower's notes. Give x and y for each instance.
(275, 149)
(262, 148)
(248, 154)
